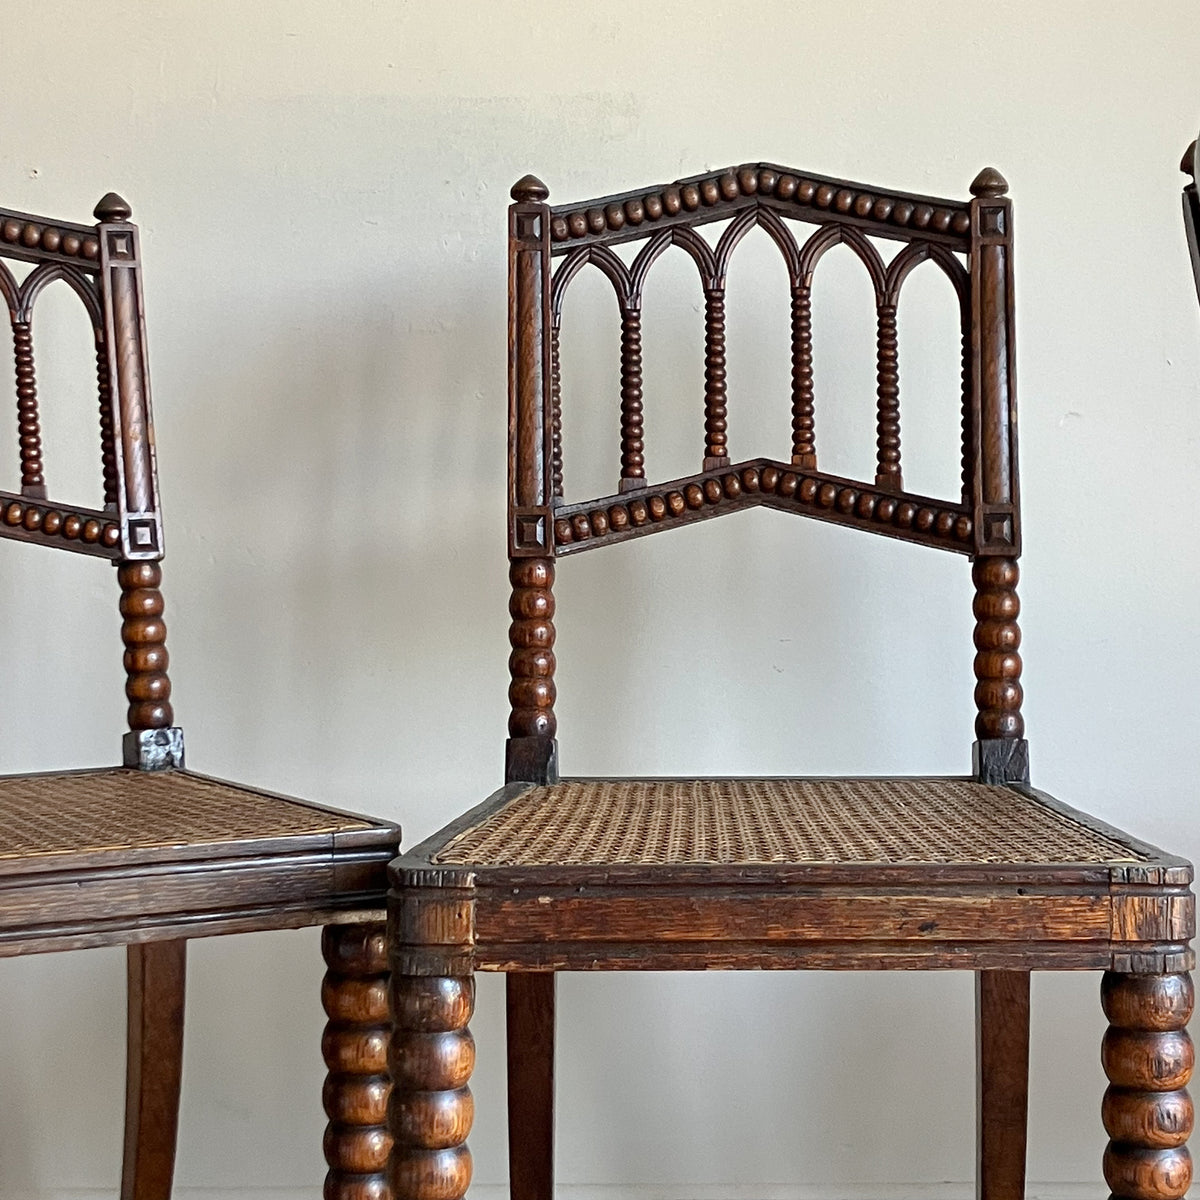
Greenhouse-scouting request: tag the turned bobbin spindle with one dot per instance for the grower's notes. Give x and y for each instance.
(29, 433)
(887, 471)
(1148, 1058)
(633, 460)
(804, 450)
(716, 449)
(431, 1108)
(531, 635)
(355, 1047)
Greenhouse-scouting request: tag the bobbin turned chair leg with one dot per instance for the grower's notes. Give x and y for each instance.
(1148, 1057)
(355, 1047)
(431, 1108)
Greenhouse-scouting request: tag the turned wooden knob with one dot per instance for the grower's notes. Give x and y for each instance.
(530, 189)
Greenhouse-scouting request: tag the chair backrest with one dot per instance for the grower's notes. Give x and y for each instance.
(101, 265)
(972, 243)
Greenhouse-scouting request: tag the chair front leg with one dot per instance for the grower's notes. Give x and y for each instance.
(432, 1109)
(355, 1047)
(431, 934)
(1147, 1056)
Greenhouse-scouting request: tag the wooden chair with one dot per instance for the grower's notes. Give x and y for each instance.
(980, 873)
(149, 854)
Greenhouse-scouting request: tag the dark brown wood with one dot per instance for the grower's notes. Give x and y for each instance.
(108, 451)
(943, 524)
(157, 974)
(1000, 901)
(529, 1012)
(993, 404)
(147, 685)
(431, 1111)
(29, 433)
(556, 454)
(1001, 753)
(804, 448)
(716, 447)
(531, 693)
(887, 468)
(355, 1047)
(149, 854)
(1002, 1083)
(633, 449)
(719, 195)
(1148, 1058)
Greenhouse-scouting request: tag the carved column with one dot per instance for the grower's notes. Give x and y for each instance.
(887, 469)
(633, 460)
(355, 1046)
(531, 752)
(716, 449)
(532, 724)
(556, 447)
(108, 451)
(33, 480)
(804, 449)
(1001, 753)
(1148, 1059)
(144, 632)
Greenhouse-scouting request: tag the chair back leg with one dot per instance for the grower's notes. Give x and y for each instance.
(529, 1012)
(1002, 1083)
(157, 974)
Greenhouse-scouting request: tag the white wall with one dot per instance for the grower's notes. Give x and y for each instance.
(321, 189)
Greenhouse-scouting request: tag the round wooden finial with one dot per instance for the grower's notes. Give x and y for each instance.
(529, 188)
(1187, 164)
(989, 182)
(112, 208)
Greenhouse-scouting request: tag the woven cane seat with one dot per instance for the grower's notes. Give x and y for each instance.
(117, 810)
(676, 822)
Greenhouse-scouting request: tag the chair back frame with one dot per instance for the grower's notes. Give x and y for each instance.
(983, 522)
(102, 266)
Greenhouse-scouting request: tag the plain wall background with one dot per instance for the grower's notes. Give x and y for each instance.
(322, 189)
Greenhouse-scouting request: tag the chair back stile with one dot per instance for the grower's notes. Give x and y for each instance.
(102, 266)
(983, 522)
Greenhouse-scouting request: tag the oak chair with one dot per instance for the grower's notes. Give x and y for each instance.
(978, 873)
(149, 854)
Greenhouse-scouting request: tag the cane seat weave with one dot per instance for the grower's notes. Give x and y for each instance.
(115, 809)
(671, 822)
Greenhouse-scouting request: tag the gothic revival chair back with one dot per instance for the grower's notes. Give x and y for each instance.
(805, 217)
(101, 265)
(149, 854)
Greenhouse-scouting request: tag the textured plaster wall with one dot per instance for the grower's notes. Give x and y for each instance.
(321, 189)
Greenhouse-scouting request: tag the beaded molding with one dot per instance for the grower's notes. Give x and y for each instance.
(913, 518)
(80, 529)
(804, 196)
(21, 233)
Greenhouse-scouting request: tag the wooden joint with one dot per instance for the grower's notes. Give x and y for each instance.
(531, 759)
(153, 749)
(1153, 915)
(1000, 760)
